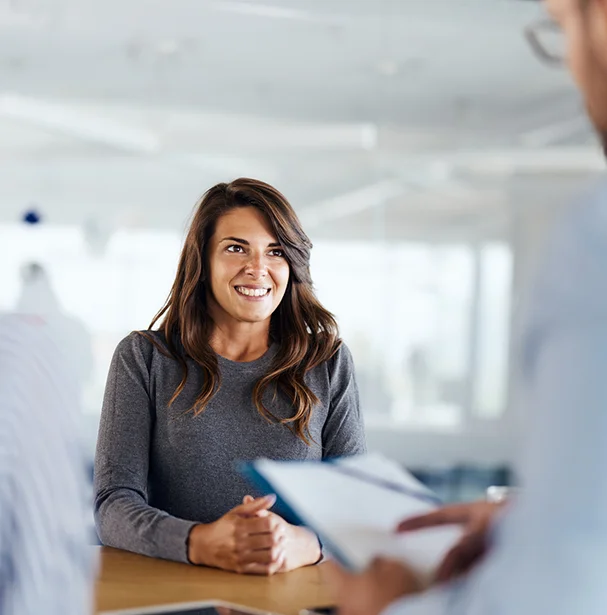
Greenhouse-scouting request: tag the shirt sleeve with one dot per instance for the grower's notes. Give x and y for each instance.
(343, 432)
(550, 551)
(433, 602)
(46, 563)
(123, 516)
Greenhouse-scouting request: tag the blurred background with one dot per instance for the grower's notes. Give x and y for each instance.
(425, 149)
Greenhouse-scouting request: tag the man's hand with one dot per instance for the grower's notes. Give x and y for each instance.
(370, 592)
(476, 519)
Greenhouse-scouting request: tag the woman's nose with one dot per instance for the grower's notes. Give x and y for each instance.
(256, 266)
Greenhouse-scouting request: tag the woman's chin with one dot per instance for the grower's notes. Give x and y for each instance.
(253, 316)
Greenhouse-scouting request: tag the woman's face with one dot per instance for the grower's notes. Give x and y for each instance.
(248, 269)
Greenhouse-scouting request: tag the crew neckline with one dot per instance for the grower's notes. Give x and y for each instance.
(261, 362)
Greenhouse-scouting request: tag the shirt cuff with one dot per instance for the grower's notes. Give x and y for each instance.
(172, 539)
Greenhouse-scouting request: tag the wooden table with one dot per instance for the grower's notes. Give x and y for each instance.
(127, 580)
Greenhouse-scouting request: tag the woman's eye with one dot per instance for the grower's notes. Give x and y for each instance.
(235, 248)
(277, 252)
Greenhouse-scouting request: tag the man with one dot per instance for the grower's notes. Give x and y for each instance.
(45, 563)
(549, 550)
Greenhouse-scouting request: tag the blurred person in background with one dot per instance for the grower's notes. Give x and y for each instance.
(38, 298)
(45, 561)
(548, 552)
(246, 363)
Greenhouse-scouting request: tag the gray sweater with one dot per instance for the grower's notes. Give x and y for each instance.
(161, 470)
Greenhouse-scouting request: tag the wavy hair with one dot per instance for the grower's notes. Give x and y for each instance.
(305, 332)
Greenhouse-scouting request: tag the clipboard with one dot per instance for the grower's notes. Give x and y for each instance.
(354, 505)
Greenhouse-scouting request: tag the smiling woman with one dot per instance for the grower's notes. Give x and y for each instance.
(245, 363)
(250, 273)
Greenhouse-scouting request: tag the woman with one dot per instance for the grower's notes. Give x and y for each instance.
(246, 363)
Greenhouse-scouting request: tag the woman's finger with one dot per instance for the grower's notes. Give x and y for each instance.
(255, 568)
(268, 524)
(256, 542)
(262, 556)
(255, 506)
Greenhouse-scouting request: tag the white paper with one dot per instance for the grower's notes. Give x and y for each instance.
(381, 468)
(359, 518)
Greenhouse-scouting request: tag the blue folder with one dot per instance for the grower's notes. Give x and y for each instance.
(263, 486)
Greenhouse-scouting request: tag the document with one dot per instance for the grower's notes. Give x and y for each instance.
(354, 505)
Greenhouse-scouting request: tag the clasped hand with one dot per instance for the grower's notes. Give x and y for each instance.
(251, 539)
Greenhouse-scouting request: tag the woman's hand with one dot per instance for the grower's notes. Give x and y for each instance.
(300, 546)
(250, 539)
(244, 540)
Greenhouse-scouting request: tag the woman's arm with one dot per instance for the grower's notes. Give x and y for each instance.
(344, 432)
(123, 516)
(238, 541)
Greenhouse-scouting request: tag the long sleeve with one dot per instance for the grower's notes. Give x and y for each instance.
(46, 563)
(123, 516)
(550, 552)
(343, 432)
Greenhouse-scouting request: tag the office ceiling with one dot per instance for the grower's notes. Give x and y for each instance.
(127, 110)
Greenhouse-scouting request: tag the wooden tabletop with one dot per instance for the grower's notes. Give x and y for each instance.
(127, 580)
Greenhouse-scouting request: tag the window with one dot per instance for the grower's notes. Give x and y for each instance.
(427, 324)
(107, 294)
(493, 330)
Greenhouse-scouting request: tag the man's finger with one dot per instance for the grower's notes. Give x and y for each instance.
(449, 565)
(380, 564)
(334, 574)
(461, 558)
(449, 515)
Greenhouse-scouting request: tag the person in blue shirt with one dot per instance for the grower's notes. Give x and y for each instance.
(547, 551)
(46, 565)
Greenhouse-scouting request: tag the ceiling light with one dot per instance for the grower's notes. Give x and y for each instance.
(77, 123)
(273, 12)
(352, 202)
(12, 17)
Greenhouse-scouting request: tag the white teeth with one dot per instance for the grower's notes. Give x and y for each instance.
(252, 292)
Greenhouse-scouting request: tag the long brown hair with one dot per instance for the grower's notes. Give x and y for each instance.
(306, 333)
